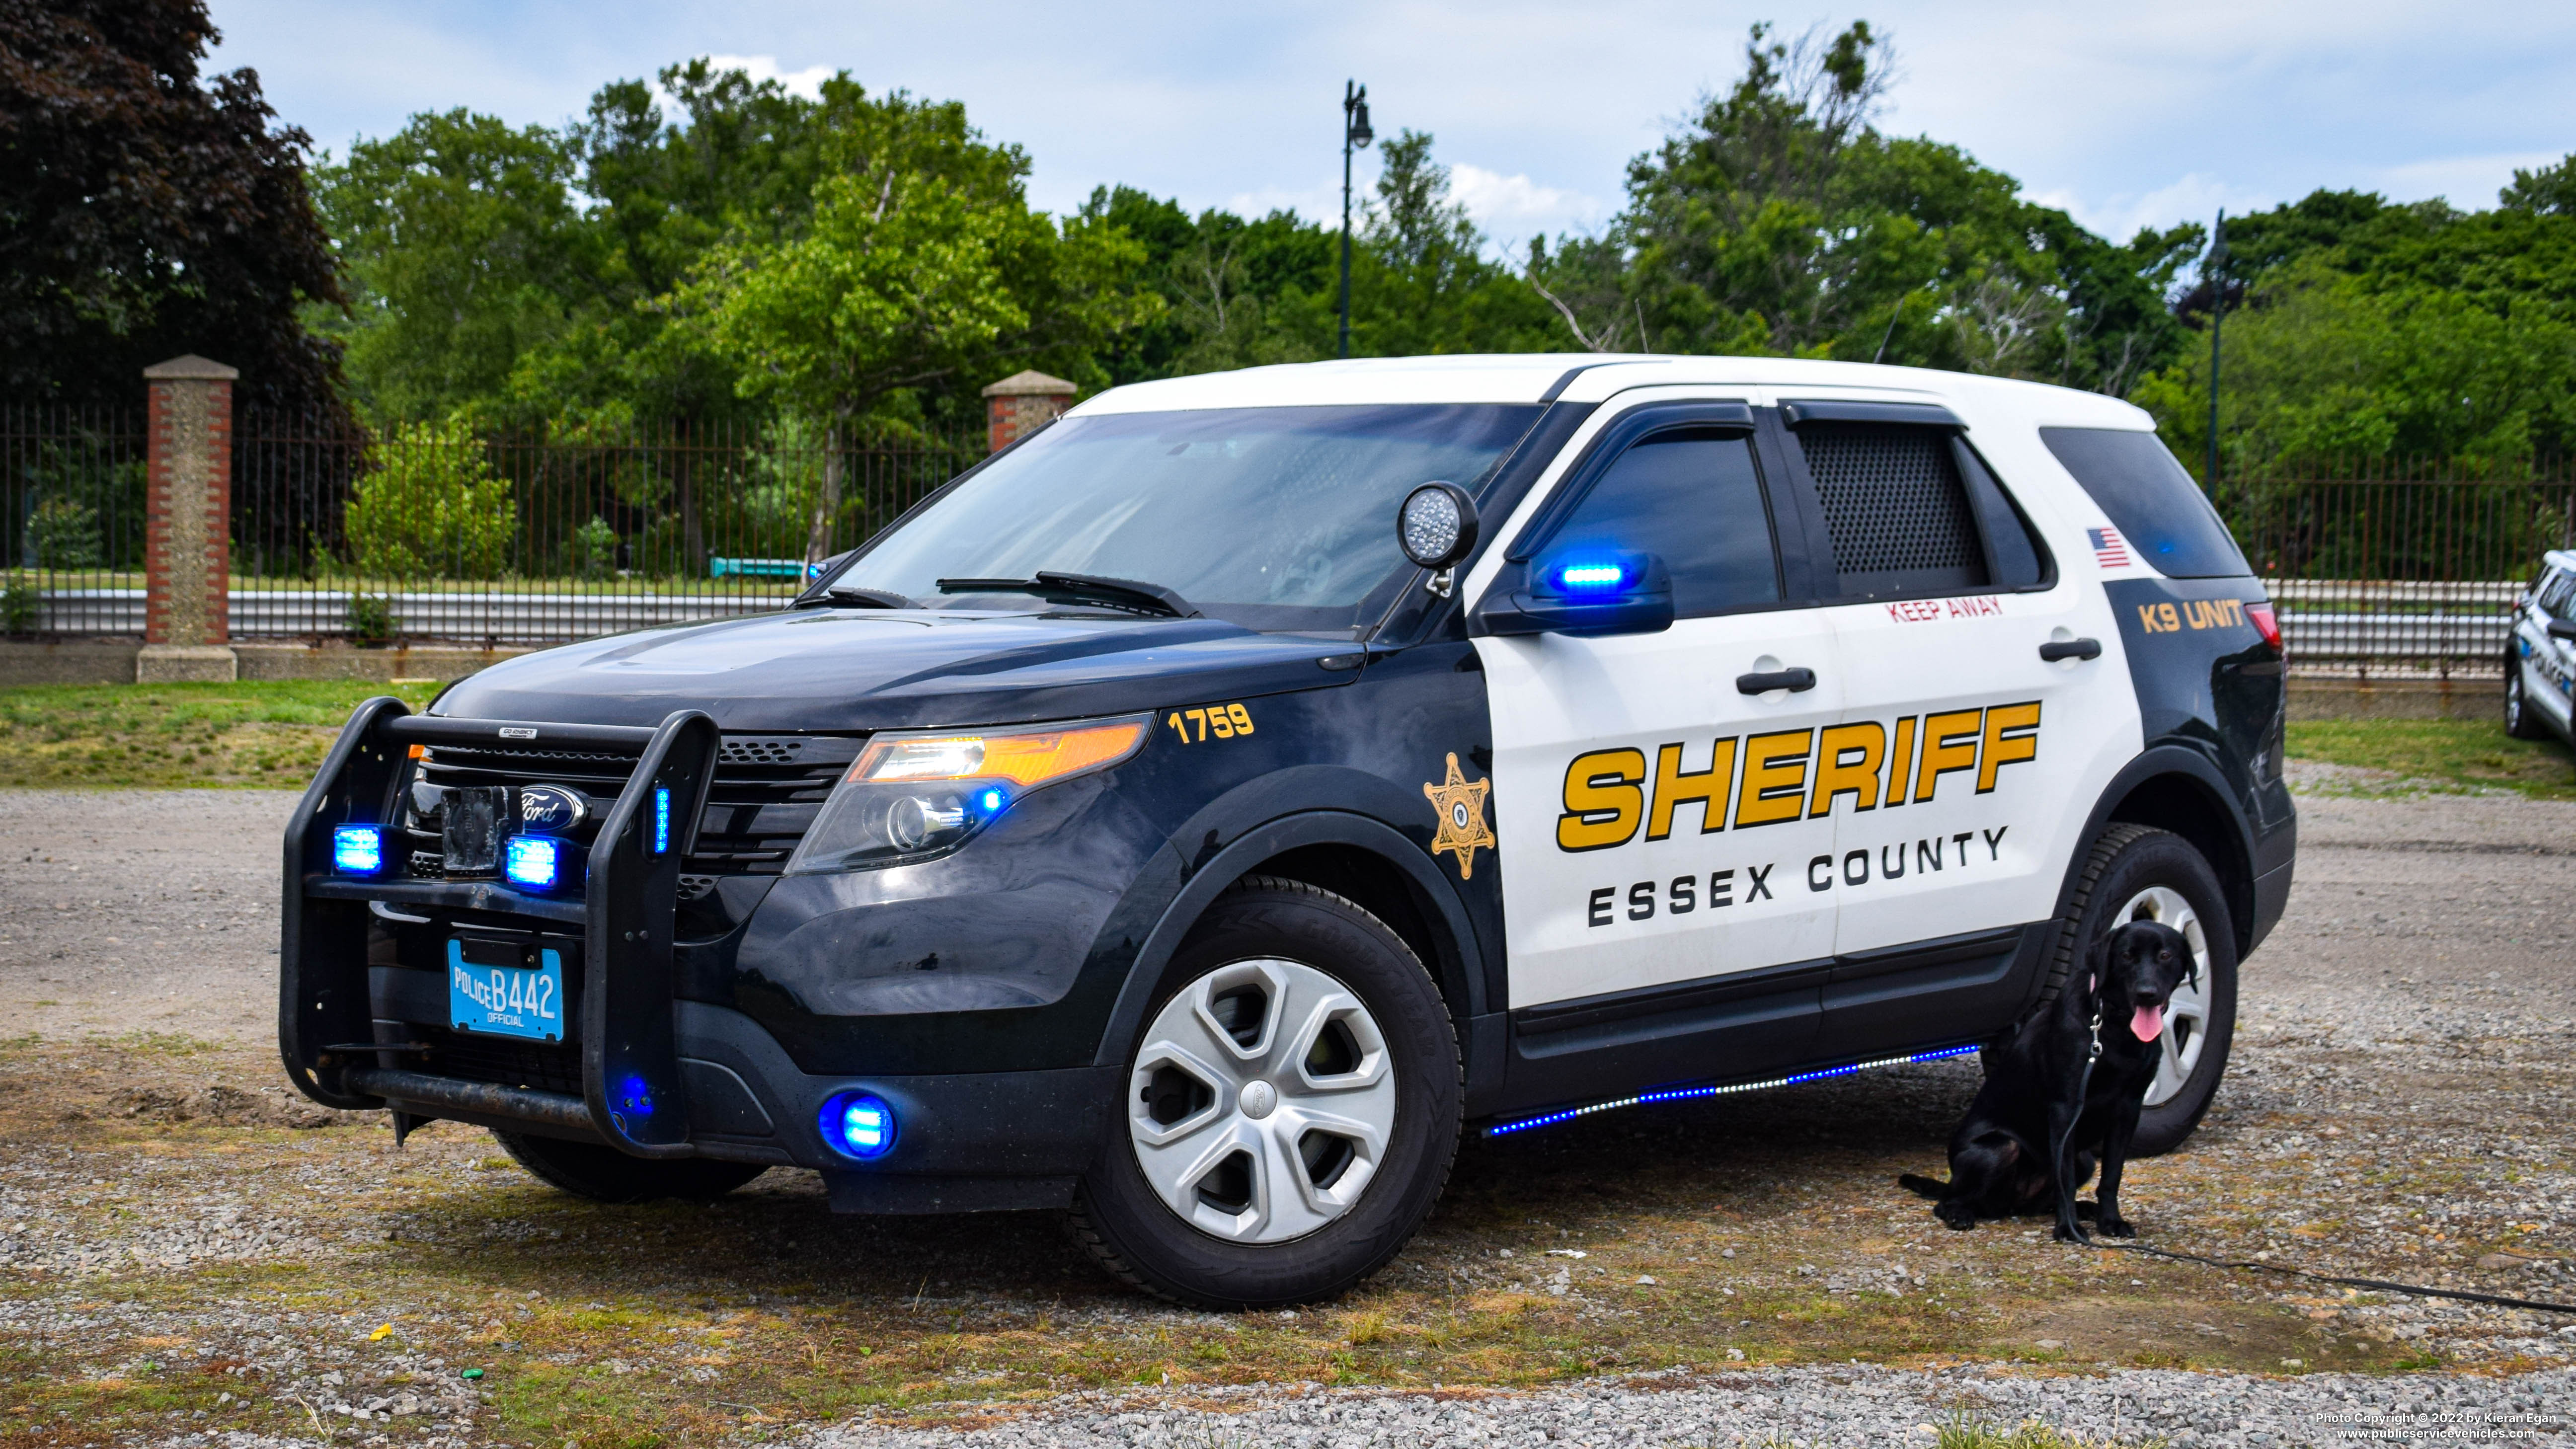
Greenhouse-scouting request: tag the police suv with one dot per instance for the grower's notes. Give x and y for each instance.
(1199, 813)
(2540, 656)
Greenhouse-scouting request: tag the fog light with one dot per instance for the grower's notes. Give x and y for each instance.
(533, 861)
(357, 849)
(862, 1125)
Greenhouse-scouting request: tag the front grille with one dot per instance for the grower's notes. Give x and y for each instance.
(767, 791)
(536, 1065)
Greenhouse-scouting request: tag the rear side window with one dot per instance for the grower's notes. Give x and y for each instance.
(2150, 499)
(1895, 508)
(1693, 498)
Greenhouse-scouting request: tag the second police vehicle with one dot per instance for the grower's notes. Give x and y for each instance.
(1201, 812)
(2540, 655)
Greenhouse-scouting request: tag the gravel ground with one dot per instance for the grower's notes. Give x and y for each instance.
(2396, 1109)
(140, 910)
(1797, 1407)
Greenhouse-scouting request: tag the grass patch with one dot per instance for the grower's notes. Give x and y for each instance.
(2438, 755)
(266, 735)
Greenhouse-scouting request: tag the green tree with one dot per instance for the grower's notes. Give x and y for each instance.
(2361, 326)
(465, 249)
(1421, 282)
(2320, 365)
(1781, 221)
(430, 506)
(922, 263)
(2549, 191)
(147, 210)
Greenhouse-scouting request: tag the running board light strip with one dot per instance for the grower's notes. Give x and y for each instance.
(1693, 1094)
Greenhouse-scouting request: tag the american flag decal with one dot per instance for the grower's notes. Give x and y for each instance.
(2108, 550)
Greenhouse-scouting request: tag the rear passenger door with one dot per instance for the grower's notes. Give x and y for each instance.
(1652, 813)
(1963, 764)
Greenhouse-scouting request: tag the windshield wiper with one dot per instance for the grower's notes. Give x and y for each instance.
(1127, 594)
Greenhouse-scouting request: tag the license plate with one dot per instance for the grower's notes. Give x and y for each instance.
(506, 1000)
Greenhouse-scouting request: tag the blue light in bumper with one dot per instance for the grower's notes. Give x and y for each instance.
(662, 820)
(861, 1125)
(357, 849)
(990, 800)
(534, 861)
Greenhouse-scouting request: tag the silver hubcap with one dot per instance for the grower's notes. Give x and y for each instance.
(1261, 1102)
(2187, 1015)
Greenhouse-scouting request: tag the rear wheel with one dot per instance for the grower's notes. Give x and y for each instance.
(2137, 873)
(2520, 720)
(604, 1174)
(1290, 1111)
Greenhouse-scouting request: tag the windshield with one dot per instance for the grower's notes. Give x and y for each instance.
(1273, 518)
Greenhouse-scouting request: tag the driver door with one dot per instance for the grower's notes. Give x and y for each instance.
(1652, 811)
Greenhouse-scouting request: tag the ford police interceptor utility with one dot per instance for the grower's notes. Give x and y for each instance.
(1197, 814)
(2540, 656)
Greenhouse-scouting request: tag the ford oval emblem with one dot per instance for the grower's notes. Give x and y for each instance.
(551, 808)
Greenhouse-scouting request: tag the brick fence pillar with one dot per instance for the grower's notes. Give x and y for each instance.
(1022, 403)
(188, 524)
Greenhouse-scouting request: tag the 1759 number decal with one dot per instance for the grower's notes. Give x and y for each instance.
(1224, 721)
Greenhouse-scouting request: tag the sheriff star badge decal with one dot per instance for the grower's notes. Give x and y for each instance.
(1462, 817)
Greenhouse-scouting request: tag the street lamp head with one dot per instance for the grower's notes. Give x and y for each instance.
(1355, 116)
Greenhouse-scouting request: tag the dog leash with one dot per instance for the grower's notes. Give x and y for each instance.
(2534, 1304)
(2075, 1228)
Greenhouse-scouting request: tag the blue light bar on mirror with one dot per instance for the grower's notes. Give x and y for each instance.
(1591, 576)
(533, 861)
(357, 849)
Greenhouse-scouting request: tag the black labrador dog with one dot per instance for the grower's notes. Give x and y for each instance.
(2001, 1156)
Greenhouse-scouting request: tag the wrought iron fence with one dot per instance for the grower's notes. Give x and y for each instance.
(427, 533)
(71, 520)
(2381, 567)
(2402, 567)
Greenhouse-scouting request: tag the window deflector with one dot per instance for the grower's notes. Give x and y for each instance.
(1605, 450)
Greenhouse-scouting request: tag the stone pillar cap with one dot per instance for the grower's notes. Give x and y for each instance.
(194, 368)
(1031, 383)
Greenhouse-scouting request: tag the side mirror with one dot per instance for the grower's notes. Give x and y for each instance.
(2561, 629)
(1586, 591)
(1436, 525)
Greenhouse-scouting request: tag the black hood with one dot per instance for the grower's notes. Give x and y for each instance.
(870, 669)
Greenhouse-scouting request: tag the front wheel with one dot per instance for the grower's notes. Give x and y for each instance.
(1290, 1109)
(2520, 720)
(2137, 873)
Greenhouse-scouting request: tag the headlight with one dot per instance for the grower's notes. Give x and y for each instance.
(915, 795)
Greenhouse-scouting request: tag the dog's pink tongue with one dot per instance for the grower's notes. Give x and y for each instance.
(2149, 1023)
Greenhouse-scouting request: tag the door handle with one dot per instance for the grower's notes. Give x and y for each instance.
(1792, 680)
(2056, 649)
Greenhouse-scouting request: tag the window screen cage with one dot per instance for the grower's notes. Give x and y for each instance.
(1894, 506)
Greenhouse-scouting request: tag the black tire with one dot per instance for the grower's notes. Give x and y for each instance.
(2124, 861)
(604, 1174)
(1119, 1218)
(2520, 720)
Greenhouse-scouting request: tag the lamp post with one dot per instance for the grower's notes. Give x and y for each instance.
(1355, 136)
(2216, 268)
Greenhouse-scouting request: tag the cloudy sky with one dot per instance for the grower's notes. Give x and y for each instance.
(2125, 115)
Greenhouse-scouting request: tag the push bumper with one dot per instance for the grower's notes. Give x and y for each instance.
(656, 1076)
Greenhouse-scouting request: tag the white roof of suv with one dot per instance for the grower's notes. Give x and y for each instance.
(1595, 377)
